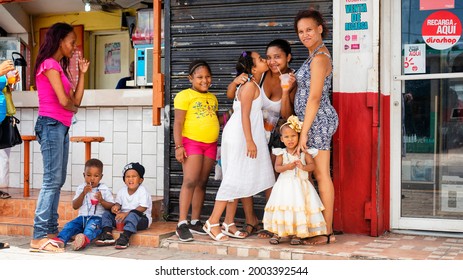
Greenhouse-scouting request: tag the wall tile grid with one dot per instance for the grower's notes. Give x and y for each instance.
(129, 136)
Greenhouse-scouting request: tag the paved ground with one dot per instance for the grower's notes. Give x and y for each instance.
(390, 246)
(20, 251)
(351, 255)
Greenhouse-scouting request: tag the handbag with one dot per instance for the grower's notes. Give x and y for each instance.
(9, 133)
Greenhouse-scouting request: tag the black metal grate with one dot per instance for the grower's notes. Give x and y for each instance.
(218, 31)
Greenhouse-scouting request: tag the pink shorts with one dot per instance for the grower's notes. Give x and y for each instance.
(193, 147)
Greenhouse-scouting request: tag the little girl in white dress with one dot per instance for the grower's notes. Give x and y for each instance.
(294, 207)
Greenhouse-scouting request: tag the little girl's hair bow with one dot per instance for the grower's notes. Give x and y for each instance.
(294, 123)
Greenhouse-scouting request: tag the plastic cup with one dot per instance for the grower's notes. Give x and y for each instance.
(270, 122)
(284, 81)
(94, 199)
(11, 77)
(268, 125)
(120, 225)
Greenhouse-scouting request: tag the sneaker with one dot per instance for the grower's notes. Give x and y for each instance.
(122, 242)
(183, 233)
(80, 242)
(197, 228)
(105, 239)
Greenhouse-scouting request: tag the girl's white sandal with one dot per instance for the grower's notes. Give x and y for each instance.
(226, 231)
(207, 228)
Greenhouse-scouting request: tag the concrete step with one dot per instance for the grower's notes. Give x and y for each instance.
(17, 217)
(150, 237)
(254, 247)
(24, 207)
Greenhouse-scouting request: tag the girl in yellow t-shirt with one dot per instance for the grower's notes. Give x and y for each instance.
(196, 130)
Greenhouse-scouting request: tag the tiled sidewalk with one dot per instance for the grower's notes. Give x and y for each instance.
(347, 247)
(390, 246)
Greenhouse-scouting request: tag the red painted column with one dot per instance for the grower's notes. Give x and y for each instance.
(358, 161)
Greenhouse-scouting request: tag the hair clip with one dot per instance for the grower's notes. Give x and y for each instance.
(244, 54)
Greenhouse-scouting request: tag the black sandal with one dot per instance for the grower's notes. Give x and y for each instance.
(4, 245)
(4, 195)
(264, 234)
(275, 240)
(328, 240)
(295, 241)
(254, 229)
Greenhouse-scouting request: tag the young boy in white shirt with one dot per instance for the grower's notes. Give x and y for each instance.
(92, 198)
(133, 208)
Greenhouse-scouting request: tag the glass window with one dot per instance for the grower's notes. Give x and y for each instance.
(432, 126)
(437, 60)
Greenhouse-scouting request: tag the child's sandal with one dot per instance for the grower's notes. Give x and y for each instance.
(275, 240)
(295, 241)
(219, 237)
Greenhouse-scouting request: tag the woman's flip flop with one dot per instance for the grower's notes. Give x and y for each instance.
(46, 246)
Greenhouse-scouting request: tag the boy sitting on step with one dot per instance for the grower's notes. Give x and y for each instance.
(91, 198)
(132, 208)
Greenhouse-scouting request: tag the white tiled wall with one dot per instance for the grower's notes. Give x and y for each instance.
(129, 136)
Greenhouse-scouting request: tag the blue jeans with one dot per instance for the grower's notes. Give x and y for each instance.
(88, 225)
(53, 138)
(132, 222)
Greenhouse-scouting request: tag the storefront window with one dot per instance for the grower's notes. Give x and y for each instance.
(432, 110)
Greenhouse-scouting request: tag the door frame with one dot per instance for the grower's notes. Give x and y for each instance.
(397, 82)
(92, 47)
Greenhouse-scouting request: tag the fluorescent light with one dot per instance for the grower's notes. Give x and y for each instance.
(87, 7)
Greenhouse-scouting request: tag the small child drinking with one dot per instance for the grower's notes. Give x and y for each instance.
(91, 198)
(294, 207)
(133, 208)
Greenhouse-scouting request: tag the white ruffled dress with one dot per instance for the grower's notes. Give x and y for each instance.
(294, 207)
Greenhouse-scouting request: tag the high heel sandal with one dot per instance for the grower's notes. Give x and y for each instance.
(219, 237)
(322, 242)
(226, 231)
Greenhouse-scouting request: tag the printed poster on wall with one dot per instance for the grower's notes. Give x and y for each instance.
(441, 30)
(112, 60)
(414, 59)
(436, 4)
(356, 18)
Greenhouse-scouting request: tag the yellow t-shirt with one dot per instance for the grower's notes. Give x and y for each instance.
(201, 122)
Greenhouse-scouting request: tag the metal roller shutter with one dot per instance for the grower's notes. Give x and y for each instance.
(218, 31)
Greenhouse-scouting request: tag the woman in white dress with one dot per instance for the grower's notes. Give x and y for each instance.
(246, 164)
(277, 106)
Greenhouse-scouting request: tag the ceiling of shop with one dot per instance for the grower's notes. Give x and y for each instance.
(12, 12)
(36, 7)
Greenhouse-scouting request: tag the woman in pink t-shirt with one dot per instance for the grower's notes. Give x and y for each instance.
(58, 101)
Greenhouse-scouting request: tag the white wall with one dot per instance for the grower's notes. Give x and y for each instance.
(129, 136)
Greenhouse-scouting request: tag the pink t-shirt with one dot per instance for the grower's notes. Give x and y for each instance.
(49, 105)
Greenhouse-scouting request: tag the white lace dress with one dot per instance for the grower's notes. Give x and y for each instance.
(244, 176)
(294, 207)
